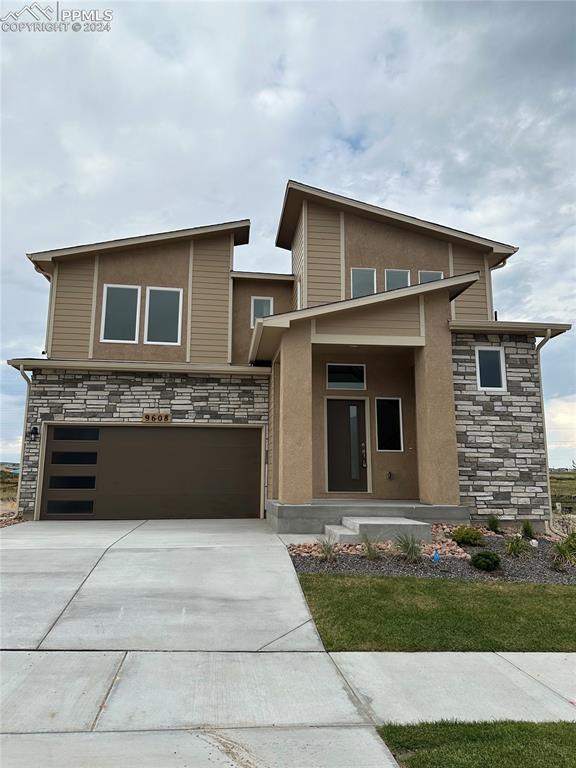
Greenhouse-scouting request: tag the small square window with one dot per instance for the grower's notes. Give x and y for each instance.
(490, 369)
(363, 282)
(163, 316)
(389, 424)
(345, 376)
(425, 276)
(120, 314)
(262, 306)
(397, 278)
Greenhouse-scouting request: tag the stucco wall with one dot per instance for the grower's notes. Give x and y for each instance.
(244, 289)
(501, 446)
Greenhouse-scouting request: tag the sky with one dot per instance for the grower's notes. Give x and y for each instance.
(186, 114)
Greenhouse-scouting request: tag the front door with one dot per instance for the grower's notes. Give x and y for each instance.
(346, 432)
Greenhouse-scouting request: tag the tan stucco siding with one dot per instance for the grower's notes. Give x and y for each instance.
(72, 315)
(161, 266)
(273, 414)
(210, 300)
(473, 303)
(398, 318)
(324, 269)
(244, 289)
(298, 246)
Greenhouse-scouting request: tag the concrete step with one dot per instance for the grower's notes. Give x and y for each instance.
(341, 535)
(387, 528)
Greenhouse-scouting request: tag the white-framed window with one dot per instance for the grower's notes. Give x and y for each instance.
(163, 316)
(345, 376)
(396, 278)
(260, 306)
(491, 369)
(120, 314)
(389, 432)
(362, 282)
(429, 275)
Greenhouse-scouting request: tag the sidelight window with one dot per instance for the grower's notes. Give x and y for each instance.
(389, 435)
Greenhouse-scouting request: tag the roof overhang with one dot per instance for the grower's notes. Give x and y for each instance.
(268, 331)
(504, 326)
(31, 364)
(296, 193)
(263, 276)
(43, 260)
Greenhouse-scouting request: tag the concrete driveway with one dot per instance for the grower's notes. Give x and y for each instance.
(173, 643)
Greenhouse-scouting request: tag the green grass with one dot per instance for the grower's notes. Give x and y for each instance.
(8, 485)
(379, 613)
(482, 745)
(563, 487)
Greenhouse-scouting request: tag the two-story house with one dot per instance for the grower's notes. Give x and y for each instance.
(373, 380)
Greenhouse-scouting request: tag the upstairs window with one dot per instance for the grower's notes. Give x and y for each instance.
(363, 282)
(345, 376)
(425, 276)
(120, 314)
(262, 306)
(163, 318)
(491, 369)
(397, 278)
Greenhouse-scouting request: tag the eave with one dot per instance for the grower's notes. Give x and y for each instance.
(31, 364)
(512, 327)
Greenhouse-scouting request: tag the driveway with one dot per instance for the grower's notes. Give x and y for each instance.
(176, 643)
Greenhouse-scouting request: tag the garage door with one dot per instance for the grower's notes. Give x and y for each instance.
(133, 472)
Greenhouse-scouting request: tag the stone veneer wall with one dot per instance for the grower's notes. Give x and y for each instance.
(123, 398)
(500, 435)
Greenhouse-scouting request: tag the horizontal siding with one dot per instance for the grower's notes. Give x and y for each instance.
(298, 259)
(473, 303)
(72, 319)
(323, 255)
(210, 300)
(400, 318)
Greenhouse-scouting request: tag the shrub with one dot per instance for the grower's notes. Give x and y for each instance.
(409, 547)
(327, 547)
(564, 553)
(517, 546)
(485, 561)
(527, 530)
(493, 524)
(371, 551)
(468, 535)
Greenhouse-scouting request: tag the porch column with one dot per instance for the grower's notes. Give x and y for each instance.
(435, 409)
(295, 418)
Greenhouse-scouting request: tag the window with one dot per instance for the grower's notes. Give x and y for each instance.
(163, 317)
(389, 424)
(120, 314)
(397, 278)
(425, 276)
(345, 376)
(262, 306)
(363, 282)
(491, 369)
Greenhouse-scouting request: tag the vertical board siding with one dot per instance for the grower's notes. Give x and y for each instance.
(73, 309)
(298, 260)
(210, 300)
(473, 303)
(324, 264)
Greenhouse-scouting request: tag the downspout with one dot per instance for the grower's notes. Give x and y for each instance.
(28, 381)
(539, 346)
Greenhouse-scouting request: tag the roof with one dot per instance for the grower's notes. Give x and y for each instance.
(504, 326)
(239, 229)
(296, 193)
(274, 325)
(31, 364)
(263, 276)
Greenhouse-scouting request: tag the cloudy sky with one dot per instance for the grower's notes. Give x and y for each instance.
(193, 113)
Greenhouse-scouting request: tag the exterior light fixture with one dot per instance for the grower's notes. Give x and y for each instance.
(34, 432)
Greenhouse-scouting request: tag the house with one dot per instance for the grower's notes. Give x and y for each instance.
(372, 381)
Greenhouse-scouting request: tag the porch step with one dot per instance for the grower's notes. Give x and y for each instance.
(353, 529)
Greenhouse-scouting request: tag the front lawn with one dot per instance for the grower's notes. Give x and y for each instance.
(378, 613)
(479, 745)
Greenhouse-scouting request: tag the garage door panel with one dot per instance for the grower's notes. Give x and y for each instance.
(154, 472)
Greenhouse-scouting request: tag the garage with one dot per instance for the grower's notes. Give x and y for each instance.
(164, 471)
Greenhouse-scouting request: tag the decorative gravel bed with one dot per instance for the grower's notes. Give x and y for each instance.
(533, 566)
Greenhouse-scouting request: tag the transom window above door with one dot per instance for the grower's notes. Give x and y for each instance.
(429, 276)
(345, 376)
(363, 282)
(163, 316)
(261, 306)
(120, 314)
(396, 278)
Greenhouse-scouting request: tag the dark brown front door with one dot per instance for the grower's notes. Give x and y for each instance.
(133, 472)
(346, 428)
